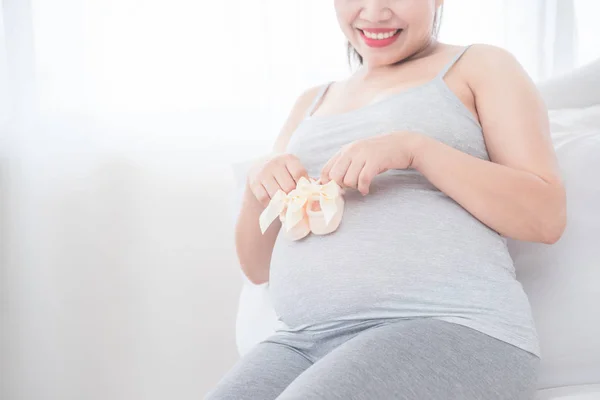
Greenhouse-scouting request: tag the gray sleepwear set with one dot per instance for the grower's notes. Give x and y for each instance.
(411, 298)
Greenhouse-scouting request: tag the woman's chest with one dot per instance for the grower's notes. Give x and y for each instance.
(318, 138)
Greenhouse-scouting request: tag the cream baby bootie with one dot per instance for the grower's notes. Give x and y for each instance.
(325, 209)
(308, 208)
(293, 218)
(291, 212)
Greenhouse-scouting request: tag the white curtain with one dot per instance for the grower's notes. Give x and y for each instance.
(118, 122)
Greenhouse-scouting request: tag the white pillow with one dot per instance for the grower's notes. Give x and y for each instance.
(571, 123)
(563, 280)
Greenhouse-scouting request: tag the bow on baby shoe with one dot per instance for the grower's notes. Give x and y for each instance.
(275, 208)
(291, 213)
(326, 219)
(291, 208)
(328, 196)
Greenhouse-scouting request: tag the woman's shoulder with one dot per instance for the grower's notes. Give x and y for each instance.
(490, 62)
(489, 54)
(307, 99)
(484, 64)
(301, 107)
(479, 55)
(310, 94)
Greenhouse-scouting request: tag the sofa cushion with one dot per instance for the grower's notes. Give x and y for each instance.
(563, 280)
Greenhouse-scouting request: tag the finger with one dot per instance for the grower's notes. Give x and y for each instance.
(353, 172)
(261, 194)
(271, 186)
(284, 180)
(296, 169)
(338, 171)
(325, 171)
(365, 178)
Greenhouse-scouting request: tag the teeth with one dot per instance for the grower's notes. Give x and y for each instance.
(380, 36)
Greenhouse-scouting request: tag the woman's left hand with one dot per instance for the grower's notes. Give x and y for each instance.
(357, 163)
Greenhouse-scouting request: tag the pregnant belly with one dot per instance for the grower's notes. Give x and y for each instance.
(408, 253)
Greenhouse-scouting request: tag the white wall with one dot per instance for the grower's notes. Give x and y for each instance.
(119, 274)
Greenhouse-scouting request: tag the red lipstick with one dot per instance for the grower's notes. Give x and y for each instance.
(378, 43)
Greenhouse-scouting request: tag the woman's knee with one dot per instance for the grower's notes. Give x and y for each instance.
(261, 374)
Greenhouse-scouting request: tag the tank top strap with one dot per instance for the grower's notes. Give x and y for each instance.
(454, 60)
(317, 101)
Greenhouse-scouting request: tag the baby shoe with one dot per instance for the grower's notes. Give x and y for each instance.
(298, 231)
(294, 219)
(291, 210)
(325, 209)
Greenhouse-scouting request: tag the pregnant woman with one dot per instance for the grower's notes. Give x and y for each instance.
(442, 153)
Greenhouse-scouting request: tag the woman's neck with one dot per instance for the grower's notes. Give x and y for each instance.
(425, 50)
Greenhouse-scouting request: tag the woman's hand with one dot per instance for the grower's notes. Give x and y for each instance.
(357, 163)
(276, 172)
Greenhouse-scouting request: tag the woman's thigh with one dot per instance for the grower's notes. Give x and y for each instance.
(262, 374)
(416, 360)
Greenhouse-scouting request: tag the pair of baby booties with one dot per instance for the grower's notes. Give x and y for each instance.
(311, 207)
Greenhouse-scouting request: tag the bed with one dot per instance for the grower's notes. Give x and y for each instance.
(562, 280)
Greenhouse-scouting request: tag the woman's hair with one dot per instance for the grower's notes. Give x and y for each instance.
(353, 54)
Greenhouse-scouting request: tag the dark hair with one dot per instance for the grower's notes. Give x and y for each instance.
(353, 54)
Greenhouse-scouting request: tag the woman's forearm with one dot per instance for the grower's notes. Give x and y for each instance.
(516, 204)
(254, 249)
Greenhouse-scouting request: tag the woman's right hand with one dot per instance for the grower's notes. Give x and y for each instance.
(279, 171)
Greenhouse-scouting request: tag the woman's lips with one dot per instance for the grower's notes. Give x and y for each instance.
(379, 37)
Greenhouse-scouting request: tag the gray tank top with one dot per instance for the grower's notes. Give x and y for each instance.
(406, 250)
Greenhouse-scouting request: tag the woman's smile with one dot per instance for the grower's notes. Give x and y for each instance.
(379, 37)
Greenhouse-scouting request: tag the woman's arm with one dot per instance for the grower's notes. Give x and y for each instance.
(254, 249)
(519, 194)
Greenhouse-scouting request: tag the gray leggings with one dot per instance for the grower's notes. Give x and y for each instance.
(419, 359)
